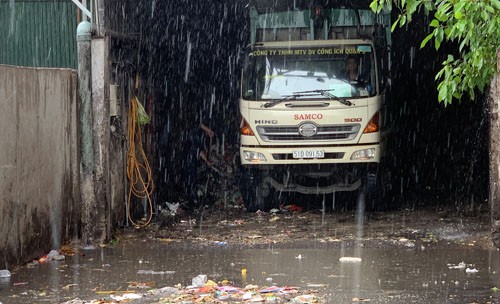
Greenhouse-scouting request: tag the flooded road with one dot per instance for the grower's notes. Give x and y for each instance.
(397, 270)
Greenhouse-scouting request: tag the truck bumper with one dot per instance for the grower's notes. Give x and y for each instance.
(292, 187)
(310, 178)
(270, 155)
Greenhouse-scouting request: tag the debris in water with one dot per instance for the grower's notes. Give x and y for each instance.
(155, 272)
(460, 265)
(4, 273)
(292, 208)
(141, 285)
(199, 281)
(471, 270)
(127, 296)
(350, 260)
(311, 285)
(274, 219)
(360, 300)
(254, 236)
(305, 299)
(67, 287)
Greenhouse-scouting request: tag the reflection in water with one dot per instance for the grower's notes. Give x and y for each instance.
(4, 283)
(358, 246)
(54, 280)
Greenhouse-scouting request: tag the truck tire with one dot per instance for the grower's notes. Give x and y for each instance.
(256, 194)
(378, 187)
(371, 186)
(379, 191)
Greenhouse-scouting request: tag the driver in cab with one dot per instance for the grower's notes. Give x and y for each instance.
(356, 79)
(352, 72)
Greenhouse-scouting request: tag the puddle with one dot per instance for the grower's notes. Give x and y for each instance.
(384, 275)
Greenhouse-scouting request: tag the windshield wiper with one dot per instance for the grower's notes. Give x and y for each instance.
(326, 93)
(295, 95)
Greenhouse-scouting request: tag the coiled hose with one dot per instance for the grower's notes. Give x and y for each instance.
(139, 173)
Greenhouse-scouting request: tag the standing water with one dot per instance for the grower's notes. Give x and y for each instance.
(384, 275)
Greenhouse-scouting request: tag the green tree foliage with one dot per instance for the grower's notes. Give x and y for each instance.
(474, 25)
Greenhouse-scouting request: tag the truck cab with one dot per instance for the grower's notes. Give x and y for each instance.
(312, 99)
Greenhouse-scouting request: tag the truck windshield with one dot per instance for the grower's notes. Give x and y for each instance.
(347, 71)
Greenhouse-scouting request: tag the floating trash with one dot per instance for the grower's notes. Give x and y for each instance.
(350, 260)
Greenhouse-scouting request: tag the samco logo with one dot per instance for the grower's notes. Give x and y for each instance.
(307, 116)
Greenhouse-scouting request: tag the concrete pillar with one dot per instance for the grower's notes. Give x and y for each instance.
(86, 153)
(101, 128)
(98, 19)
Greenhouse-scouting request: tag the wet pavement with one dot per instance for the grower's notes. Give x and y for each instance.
(428, 257)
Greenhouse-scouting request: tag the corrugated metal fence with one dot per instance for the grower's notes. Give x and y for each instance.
(38, 33)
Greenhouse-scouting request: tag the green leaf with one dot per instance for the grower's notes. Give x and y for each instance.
(462, 45)
(434, 23)
(448, 32)
(394, 25)
(439, 35)
(402, 21)
(496, 4)
(485, 16)
(443, 91)
(429, 5)
(426, 39)
(459, 10)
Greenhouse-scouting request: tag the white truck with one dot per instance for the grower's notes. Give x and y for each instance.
(310, 121)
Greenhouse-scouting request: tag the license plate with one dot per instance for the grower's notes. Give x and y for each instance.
(308, 154)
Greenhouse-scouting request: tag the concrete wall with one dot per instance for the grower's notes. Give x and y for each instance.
(38, 163)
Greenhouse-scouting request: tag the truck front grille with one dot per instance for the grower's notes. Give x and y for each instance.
(324, 133)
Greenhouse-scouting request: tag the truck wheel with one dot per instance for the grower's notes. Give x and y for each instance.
(379, 192)
(372, 190)
(256, 194)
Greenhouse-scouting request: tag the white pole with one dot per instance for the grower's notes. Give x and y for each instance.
(83, 8)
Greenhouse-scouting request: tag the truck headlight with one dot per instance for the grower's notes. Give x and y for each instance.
(254, 156)
(364, 154)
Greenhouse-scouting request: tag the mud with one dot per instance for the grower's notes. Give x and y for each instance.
(426, 227)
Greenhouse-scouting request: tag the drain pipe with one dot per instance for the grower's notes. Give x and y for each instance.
(87, 181)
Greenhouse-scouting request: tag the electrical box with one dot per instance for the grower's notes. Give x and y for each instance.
(114, 100)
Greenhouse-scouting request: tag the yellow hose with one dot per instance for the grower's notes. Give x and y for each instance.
(139, 174)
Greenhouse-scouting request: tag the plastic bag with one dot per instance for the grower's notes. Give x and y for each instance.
(142, 116)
